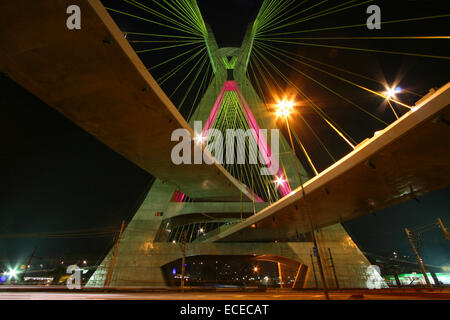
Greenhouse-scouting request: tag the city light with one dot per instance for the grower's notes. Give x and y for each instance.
(391, 92)
(255, 269)
(284, 108)
(12, 273)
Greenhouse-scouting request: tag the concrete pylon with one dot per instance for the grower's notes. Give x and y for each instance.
(146, 244)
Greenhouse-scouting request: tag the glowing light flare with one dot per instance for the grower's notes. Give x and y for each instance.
(12, 273)
(284, 108)
(279, 181)
(391, 92)
(199, 139)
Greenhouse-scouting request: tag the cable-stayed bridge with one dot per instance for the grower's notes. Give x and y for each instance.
(95, 78)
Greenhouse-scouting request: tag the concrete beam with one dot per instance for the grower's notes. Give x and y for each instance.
(186, 208)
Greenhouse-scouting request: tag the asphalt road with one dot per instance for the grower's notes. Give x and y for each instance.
(222, 296)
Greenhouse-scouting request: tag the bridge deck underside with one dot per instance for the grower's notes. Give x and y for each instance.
(94, 78)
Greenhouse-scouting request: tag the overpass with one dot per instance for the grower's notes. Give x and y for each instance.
(94, 77)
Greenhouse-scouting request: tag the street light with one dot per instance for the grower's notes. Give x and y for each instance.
(12, 273)
(390, 95)
(284, 109)
(391, 92)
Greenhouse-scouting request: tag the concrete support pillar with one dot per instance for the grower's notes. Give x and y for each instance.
(301, 278)
(280, 275)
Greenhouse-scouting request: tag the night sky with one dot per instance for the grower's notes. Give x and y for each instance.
(55, 177)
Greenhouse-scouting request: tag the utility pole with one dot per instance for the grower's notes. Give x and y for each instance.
(419, 259)
(308, 214)
(314, 270)
(241, 205)
(334, 269)
(444, 229)
(397, 280)
(183, 260)
(28, 263)
(114, 257)
(253, 193)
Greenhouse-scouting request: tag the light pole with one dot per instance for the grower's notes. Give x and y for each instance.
(411, 239)
(284, 109)
(183, 260)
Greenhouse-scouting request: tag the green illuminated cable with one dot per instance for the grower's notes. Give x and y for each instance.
(145, 19)
(360, 25)
(176, 57)
(177, 68)
(318, 15)
(319, 83)
(264, 29)
(187, 75)
(136, 4)
(279, 20)
(204, 60)
(327, 119)
(363, 49)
